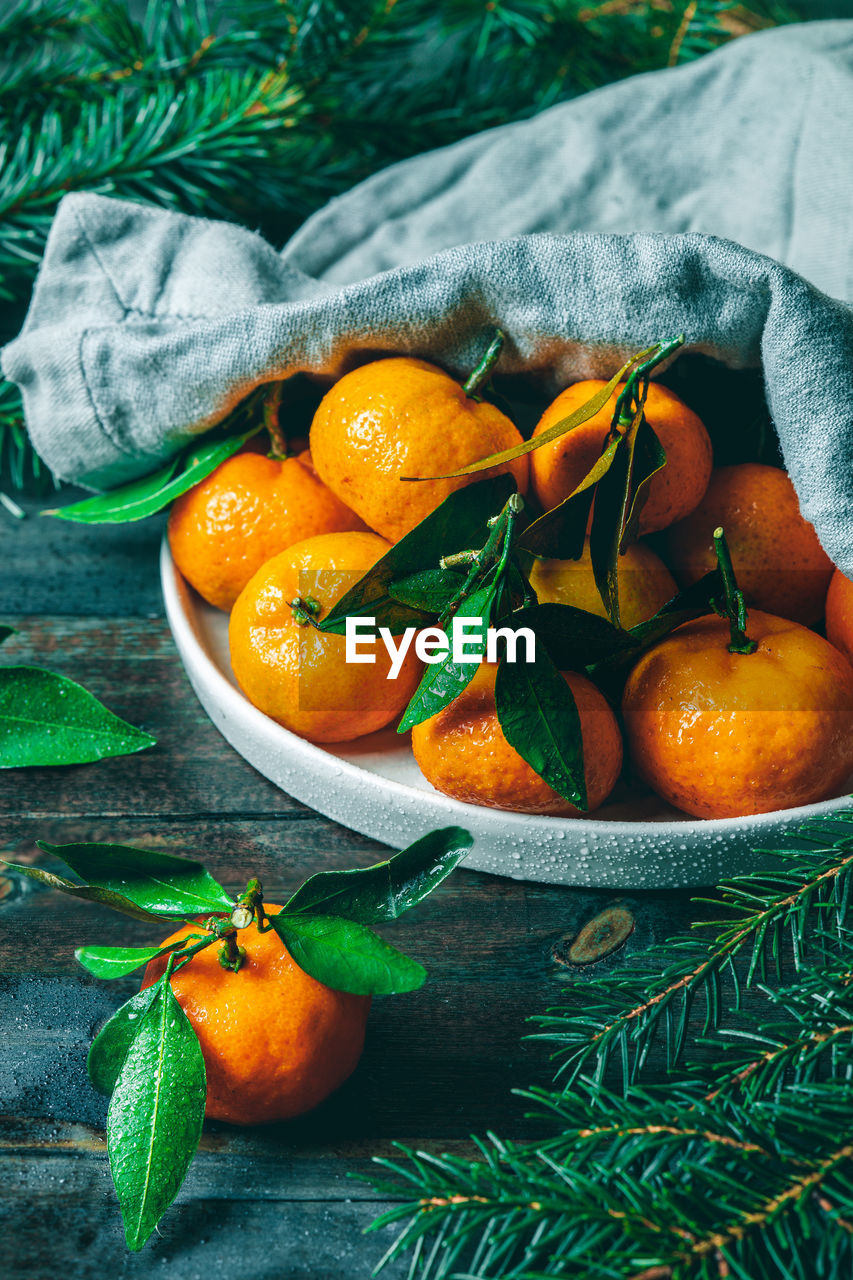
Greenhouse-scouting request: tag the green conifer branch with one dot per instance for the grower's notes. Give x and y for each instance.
(737, 1163)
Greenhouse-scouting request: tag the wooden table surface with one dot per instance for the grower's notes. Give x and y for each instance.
(283, 1201)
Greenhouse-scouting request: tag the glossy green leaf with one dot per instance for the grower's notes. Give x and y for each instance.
(460, 523)
(5, 632)
(347, 956)
(109, 1048)
(88, 892)
(443, 681)
(431, 590)
(152, 493)
(118, 962)
(537, 713)
(573, 638)
(580, 415)
(619, 496)
(155, 1115)
(46, 719)
(561, 532)
(157, 882)
(384, 891)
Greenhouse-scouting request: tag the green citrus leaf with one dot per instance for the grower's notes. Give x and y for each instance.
(537, 713)
(431, 590)
(155, 1115)
(109, 1048)
(46, 719)
(580, 415)
(619, 496)
(347, 956)
(561, 532)
(384, 891)
(443, 681)
(89, 893)
(157, 882)
(152, 493)
(118, 962)
(573, 638)
(458, 524)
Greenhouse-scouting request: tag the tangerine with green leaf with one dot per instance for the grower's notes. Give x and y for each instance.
(275, 1041)
(404, 417)
(249, 509)
(781, 567)
(556, 469)
(463, 752)
(297, 674)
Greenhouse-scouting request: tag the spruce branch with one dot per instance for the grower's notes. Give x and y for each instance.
(653, 994)
(740, 1166)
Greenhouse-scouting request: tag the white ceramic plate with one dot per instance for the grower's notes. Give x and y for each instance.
(374, 786)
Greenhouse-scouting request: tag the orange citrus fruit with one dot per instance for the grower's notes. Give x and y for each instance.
(275, 1041)
(299, 675)
(645, 584)
(721, 734)
(779, 563)
(557, 469)
(839, 613)
(251, 507)
(462, 751)
(404, 417)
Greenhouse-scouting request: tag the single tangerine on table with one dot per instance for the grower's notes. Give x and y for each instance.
(645, 584)
(275, 1041)
(250, 508)
(462, 751)
(780, 565)
(556, 469)
(298, 675)
(404, 417)
(839, 613)
(720, 734)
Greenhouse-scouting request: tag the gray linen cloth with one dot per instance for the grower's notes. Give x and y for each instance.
(714, 199)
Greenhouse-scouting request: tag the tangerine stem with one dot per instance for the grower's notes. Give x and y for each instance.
(278, 441)
(622, 415)
(483, 370)
(247, 905)
(735, 603)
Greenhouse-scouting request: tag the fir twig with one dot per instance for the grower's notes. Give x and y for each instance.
(737, 1167)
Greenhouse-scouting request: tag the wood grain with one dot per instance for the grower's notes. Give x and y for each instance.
(439, 1064)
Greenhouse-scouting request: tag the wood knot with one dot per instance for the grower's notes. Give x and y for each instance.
(597, 939)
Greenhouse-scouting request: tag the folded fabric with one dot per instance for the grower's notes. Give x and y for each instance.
(147, 327)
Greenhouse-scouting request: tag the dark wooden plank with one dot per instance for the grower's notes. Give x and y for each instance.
(63, 1232)
(439, 1064)
(132, 666)
(54, 566)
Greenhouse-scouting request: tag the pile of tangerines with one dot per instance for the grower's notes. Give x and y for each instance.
(714, 732)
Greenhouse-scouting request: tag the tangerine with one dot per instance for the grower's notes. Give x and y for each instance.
(250, 508)
(839, 613)
(275, 1041)
(299, 675)
(720, 734)
(462, 751)
(645, 584)
(556, 469)
(781, 567)
(404, 417)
